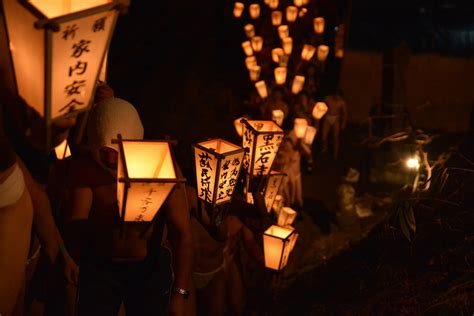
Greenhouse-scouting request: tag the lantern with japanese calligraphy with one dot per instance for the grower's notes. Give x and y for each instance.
(278, 116)
(323, 51)
(280, 75)
(238, 9)
(250, 62)
(298, 83)
(274, 180)
(146, 175)
(276, 18)
(308, 52)
(309, 135)
(300, 125)
(286, 216)
(291, 13)
(276, 246)
(287, 44)
(320, 108)
(273, 4)
(254, 73)
(276, 53)
(257, 43)
(57, 49)
(249, 30)
(218, 165)
(283, 31)
(262, 139)
(62, 150)
(254, 11)
(261, 89)
(318, 24)
(247, 47)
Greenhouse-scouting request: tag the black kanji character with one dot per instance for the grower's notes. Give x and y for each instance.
(74, 88)
(70, 31)
(80, 47)
(99, 25)
(80, 68)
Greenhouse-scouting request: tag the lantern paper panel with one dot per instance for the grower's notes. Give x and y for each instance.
(228, 176)
(276, 246)
(62, 150)
(309, 135)
(277, 204)
(308, 52)
(53, 9)
(278, 116)
(298, 83)
(291, 13)
(206, 167)
(254, 10)
(300, 125)
(238, 9)
(274, 181)
(293, 239)
(262, 89)
(323, 51)
(276, 18)
(319, 110)
(286, 216)
(273, 4)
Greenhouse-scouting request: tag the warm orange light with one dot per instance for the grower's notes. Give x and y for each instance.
(54, 9)
(302, 13)
(278, 116)
(250, 62)
(247, 47)
(308, 52)
(280, 75)
(283, 31)
(254, 73)
(257, 43)
(298, 83)
(309, 135)
(62, 150)
(238, 126)
(254, 11)
(274, 180)
(249, 30)
(283, 62)
(293, 238)
(339, 53)
(276, 18)
(318, 24)
(276, 53)
(261, 89)
(287, 44)
(319, 109)
(277, 204)
(276, 246)
(298, 3)
(323, 52)
(238, 9)
(291, 13)
(286, 216)
(273, 4)
(299, 126)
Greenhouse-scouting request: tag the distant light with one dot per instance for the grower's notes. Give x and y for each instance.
(413, 163)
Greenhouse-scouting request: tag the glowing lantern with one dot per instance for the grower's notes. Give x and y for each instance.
(309, 135)
(413, 163)
(255, 73)
(293, 238)
(254, 11)
(257, 43)
(318, 24)
(287, 45)
(277, 204)
(308, 52)
(276, 246)
(238, 9)
(273, 4)
(247, 47)
(249, 30)
(283, 31)
(280, 75)
(323, 52)
(303, 11)
(276, 18)
(339, 53)
(278, 116)
(262, 89)
(276, 53)
(103, 69)
(291, 13)
(305, 2)
(286, 216)
(319, 109)
(238, 126)
(57, 49)
(298, 3)
(267, 2)
(298, 83)
(261, 140)
(283, 60)
(62, 150)
(145, 177)
(300, 125)
(250, 62)
(218, 165)
(274, 180)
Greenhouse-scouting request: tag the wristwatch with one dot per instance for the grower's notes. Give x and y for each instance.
(182, 292)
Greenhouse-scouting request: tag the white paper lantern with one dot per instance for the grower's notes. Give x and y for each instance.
(319, 109)
(254, 11)
(238, 9)
(249, 30)
(323, 52)
(247, 47)
(276, 53)
(283, 31)
(280, 75)
(287, 216)
(298, 83)
(257, 43)
(300, 125)
(278, 116)
(298, 3)
(307, 52)
(254, 73)
(273, 4)
(250, 62)
(287, 44)
(291, 13)
(238, 126)
(318, 24)
(309, 135)
(274, 180)
(276, 18)
(277, 246)
(261, 89)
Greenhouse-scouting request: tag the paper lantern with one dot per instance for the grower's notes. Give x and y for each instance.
(261, 89)
(300, 125)
(238, 9)
(254, 11)
(273, 4)
(307, 52)
(319, 109)
(286, 216)
(274, 180)
(276, 18)
(217, 164)
(318, 24)
(278, 116)
(254, 73)
(145, 177)
(249, 30)
(103, 70)
(267, 2)
(250, 62)
(302, 13)
(238, 126)
(62, 150)
(298, 3)
(276, 53)
(293, 238)
(339, 53)
(283, 31)
(276, 246)
(283, 60)
(309, 135)
(277, 204)
(287, 44)
(305, 2)
(247, 47)
(323, 52)
(257, 43)
(291, 13)
(261, 140)
(57, 49)
(298, 83)
(280, 75)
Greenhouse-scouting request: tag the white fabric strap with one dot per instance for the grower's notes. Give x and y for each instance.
(12, 188)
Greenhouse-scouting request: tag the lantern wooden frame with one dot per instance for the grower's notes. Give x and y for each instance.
(285, 239)
(277, 175)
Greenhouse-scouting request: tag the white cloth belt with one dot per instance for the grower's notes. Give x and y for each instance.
(12, 188)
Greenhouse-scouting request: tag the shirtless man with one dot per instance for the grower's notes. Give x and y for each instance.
(129, 266)
(335, 120)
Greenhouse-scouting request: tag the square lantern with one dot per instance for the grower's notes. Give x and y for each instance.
(323, 51)
(319, 110)
(286, 216)
(277, 204)
(293, 238)
(308, 52)
(276, 18)
(298, 83)
(310, 134)
(57, 49)
(283, 31)
(257, 43)
(280, 75)
(273, 4)
(278, 116)
(300, 125)
(146, 176)
(217, 164)
(247, 47)
(254, 73)
(262, 140)
(318, 24)
(276, 53)
(249, 30)
(261, 89)
(254, 10)
(62, 150)
(274, 180)
(287, 44)
(238, 9)
(277, 242)
(291, 13)
(250, 62)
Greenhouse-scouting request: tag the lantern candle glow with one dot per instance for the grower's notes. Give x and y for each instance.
(283, 31)
(249, 30)
(299, 126)
(298, 3)
(319, 110)
(291, 13)
(323, 51)
(287, 44)
(276, 18)
(298, 83)
(286, 216)
(318, 24)
(261, 89)
(276, 246)
(238, 9)
(257, 43)
(308, 52)
(276, 53)
(250, 62)
(309, 135)
(254, 73)
(247, 47)
(273, 4)
(254, 10)
(280, 75)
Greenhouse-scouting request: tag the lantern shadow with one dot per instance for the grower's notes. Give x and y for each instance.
(320, 214)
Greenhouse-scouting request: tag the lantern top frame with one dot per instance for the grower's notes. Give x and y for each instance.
(256, 131)
(216, 152)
